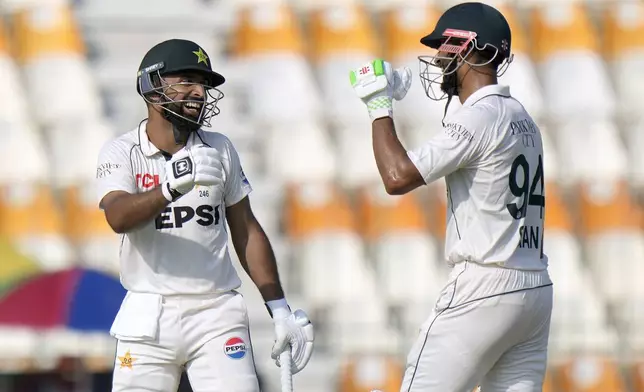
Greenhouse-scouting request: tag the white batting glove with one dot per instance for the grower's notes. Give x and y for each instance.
(294, 331)
(200, 165)
(378, 84)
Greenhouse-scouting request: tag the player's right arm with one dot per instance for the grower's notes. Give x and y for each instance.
(461, 143)
(124, 208)
(125, 211)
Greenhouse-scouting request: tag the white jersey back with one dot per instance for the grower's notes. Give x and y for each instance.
(185, 249)
(492, 158)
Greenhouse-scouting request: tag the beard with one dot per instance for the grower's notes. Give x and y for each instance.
(449, 85)
(182, 120)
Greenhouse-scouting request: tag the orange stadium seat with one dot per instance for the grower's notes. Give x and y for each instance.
(384, 214)
(521, 75)
(566, 46)
(600, 139)
(334, 270)
(22, 138)
(322, 225)
(590, 374)
(634, 139)
(5, 50)
(306, 143)
(18, 131)
(268, 42)
(623, 28)
(405, 253)
(46, 31)
(31, 218)
(341, 30)
(623, 39)
(606, 207)
(342, 38)
(579, 320)
(313, 210)
(285, 103)
(48, 42)
(402, 28)
(611, 229)
(87, 229)
(14, 109)
(87, 136)
(550, 158)
(267, 28)
(636, 374)
(560, 27)
(558, 216)
(366, 373)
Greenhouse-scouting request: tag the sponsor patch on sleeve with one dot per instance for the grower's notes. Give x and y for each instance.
(106, 169)
(458, 132)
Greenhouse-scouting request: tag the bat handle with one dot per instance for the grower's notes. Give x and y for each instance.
(285, 370)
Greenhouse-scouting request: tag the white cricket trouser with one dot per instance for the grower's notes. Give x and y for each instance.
(478, 336)
(207, 335)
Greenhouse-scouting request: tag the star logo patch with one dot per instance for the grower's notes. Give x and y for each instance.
(201, 56)
(127, 360)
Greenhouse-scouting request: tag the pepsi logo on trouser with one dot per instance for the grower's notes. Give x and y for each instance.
(235, 348)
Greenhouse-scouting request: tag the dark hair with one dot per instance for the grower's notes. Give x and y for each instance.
(492, 56)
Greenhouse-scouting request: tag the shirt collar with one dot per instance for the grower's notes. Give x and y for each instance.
(492, 89)
(148, 148)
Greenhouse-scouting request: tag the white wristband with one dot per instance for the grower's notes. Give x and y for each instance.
(380, 113)
(279, 308)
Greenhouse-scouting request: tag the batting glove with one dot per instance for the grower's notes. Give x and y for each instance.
(200, 165)
(378, 84)
(293, 331)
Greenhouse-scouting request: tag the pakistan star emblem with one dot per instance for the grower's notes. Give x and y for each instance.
(201, 56)
(127, 360)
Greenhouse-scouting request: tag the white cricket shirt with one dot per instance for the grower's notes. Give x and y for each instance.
(185, 249)
(491, 156)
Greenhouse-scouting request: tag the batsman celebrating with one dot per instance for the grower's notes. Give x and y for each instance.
(490, 325)
(169, 188)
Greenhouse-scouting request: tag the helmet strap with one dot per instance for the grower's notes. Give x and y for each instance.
(449, 100)
(450, 87)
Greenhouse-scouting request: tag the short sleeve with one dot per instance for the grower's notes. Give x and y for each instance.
(237, 185)
(114, 170)
(458, 146)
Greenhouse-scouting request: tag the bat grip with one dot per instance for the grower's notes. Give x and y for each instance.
(285, 370)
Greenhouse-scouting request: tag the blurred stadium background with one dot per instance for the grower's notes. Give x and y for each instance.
(365, 265)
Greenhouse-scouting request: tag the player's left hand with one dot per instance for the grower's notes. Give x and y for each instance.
(377, 83)
(294, 331)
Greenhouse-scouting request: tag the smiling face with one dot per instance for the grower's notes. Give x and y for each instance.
(186, 93)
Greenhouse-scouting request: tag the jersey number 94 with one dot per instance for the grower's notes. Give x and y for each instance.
(526, 189)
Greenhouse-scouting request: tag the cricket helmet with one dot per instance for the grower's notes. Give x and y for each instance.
(462, 30)
(175, 57)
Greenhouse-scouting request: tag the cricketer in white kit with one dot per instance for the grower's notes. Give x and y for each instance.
(490, 324)
(169, 188)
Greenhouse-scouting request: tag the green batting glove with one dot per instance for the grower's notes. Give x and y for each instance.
(378, 84)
